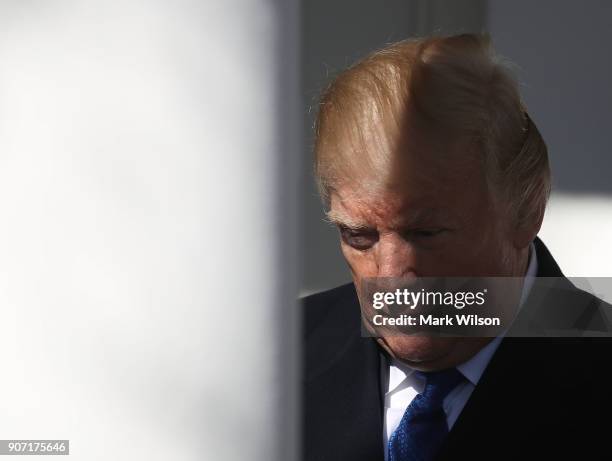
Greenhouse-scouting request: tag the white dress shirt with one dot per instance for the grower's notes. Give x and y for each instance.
(402, 385)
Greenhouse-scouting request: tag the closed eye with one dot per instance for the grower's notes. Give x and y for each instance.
(360, 239)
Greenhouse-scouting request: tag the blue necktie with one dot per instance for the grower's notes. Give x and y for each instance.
(423, 427)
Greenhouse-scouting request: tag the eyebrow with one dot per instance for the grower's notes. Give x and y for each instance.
(340, 219)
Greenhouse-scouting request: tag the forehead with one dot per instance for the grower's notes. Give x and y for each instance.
(424, 174)
(356, 207)
(424, 188)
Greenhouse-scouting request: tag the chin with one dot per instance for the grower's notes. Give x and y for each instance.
(420, 351)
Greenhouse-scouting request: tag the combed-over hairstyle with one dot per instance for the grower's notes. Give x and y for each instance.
(455, 85)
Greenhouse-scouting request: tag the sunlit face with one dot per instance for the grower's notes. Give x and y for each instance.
(443, 222)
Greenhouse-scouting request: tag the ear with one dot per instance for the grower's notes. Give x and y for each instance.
(527, 229)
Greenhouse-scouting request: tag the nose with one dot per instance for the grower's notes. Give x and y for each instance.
(395, 256)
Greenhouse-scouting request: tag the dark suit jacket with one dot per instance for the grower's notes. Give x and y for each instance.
(539, 398)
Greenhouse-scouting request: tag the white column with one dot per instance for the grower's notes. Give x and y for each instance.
(146, 262)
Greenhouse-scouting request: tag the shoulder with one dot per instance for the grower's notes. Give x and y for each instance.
(331, 329)
(330, 296)
(319, 308)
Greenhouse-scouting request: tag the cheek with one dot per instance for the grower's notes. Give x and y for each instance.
(477, 257)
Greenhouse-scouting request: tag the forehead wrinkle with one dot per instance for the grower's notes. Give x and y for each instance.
(386, 215)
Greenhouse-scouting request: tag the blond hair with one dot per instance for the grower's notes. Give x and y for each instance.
(453, 85)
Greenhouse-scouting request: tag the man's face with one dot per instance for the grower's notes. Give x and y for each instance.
(442, 222)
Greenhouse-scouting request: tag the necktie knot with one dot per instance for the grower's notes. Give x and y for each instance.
(438, 384)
